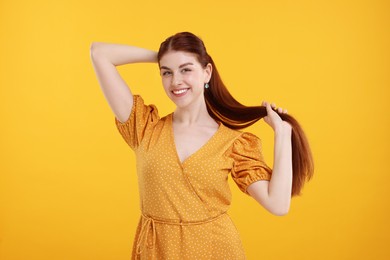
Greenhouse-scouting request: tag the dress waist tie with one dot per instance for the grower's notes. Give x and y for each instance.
(148, 225)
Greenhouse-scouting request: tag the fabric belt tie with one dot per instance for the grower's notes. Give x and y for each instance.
(149, 225)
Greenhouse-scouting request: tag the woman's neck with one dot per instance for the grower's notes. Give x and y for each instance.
(194, 115)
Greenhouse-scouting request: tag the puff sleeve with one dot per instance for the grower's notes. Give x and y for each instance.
(141, 120)
(248, 161)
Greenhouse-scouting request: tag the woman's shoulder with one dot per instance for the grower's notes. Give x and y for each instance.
(240, 134)
(240, 141)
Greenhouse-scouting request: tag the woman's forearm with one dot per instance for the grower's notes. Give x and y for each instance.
(279, 189)
(120, 54)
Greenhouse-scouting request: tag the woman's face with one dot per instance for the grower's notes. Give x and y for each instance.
(183, 77)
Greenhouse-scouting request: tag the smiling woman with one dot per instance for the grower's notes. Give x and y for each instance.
(183, 78)
(184, 158)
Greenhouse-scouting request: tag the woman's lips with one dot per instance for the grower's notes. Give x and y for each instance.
(180, 92)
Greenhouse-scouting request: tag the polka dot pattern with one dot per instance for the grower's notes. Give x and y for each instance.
(184, 204)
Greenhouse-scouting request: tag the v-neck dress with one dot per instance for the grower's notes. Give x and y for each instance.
(184, 204)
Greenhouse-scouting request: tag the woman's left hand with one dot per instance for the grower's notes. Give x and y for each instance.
(273, 119)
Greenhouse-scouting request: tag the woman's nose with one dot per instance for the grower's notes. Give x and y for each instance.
(177, 80)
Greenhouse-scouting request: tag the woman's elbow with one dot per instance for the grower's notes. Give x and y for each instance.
(279, 211)
(95, 48)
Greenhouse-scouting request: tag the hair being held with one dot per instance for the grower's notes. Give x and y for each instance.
(223, 107)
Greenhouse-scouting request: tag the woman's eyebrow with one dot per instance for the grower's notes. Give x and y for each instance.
(181, 66)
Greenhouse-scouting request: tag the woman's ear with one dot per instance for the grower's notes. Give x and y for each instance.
(208, 71)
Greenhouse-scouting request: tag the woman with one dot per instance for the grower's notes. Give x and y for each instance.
(184, 158)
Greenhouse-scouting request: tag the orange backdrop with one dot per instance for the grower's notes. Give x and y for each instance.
(67, 184)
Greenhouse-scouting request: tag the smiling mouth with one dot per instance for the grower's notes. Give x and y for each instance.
(180, 91)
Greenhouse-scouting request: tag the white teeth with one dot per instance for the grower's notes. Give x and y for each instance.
(180, 91)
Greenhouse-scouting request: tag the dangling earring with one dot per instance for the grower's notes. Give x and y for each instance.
(206, 85)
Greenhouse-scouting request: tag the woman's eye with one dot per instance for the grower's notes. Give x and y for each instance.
(166, 73)
(186, 70)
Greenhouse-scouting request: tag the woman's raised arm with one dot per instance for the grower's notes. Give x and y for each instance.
(105, 57)
(275, 195)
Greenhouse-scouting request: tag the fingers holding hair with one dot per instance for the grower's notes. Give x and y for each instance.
(274, 108)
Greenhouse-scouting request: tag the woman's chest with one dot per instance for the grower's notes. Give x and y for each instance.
(198, 156)
(188, 141)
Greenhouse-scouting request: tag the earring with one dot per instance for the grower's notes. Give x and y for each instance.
(206, 85)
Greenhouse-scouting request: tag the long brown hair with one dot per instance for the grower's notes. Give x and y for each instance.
(223, 107)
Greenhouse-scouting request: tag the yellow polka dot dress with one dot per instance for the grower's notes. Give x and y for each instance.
(184, 204)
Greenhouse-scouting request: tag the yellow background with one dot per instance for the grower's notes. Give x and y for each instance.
(67, 184)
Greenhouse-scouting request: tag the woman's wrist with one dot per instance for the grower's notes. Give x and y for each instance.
(283, 129)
